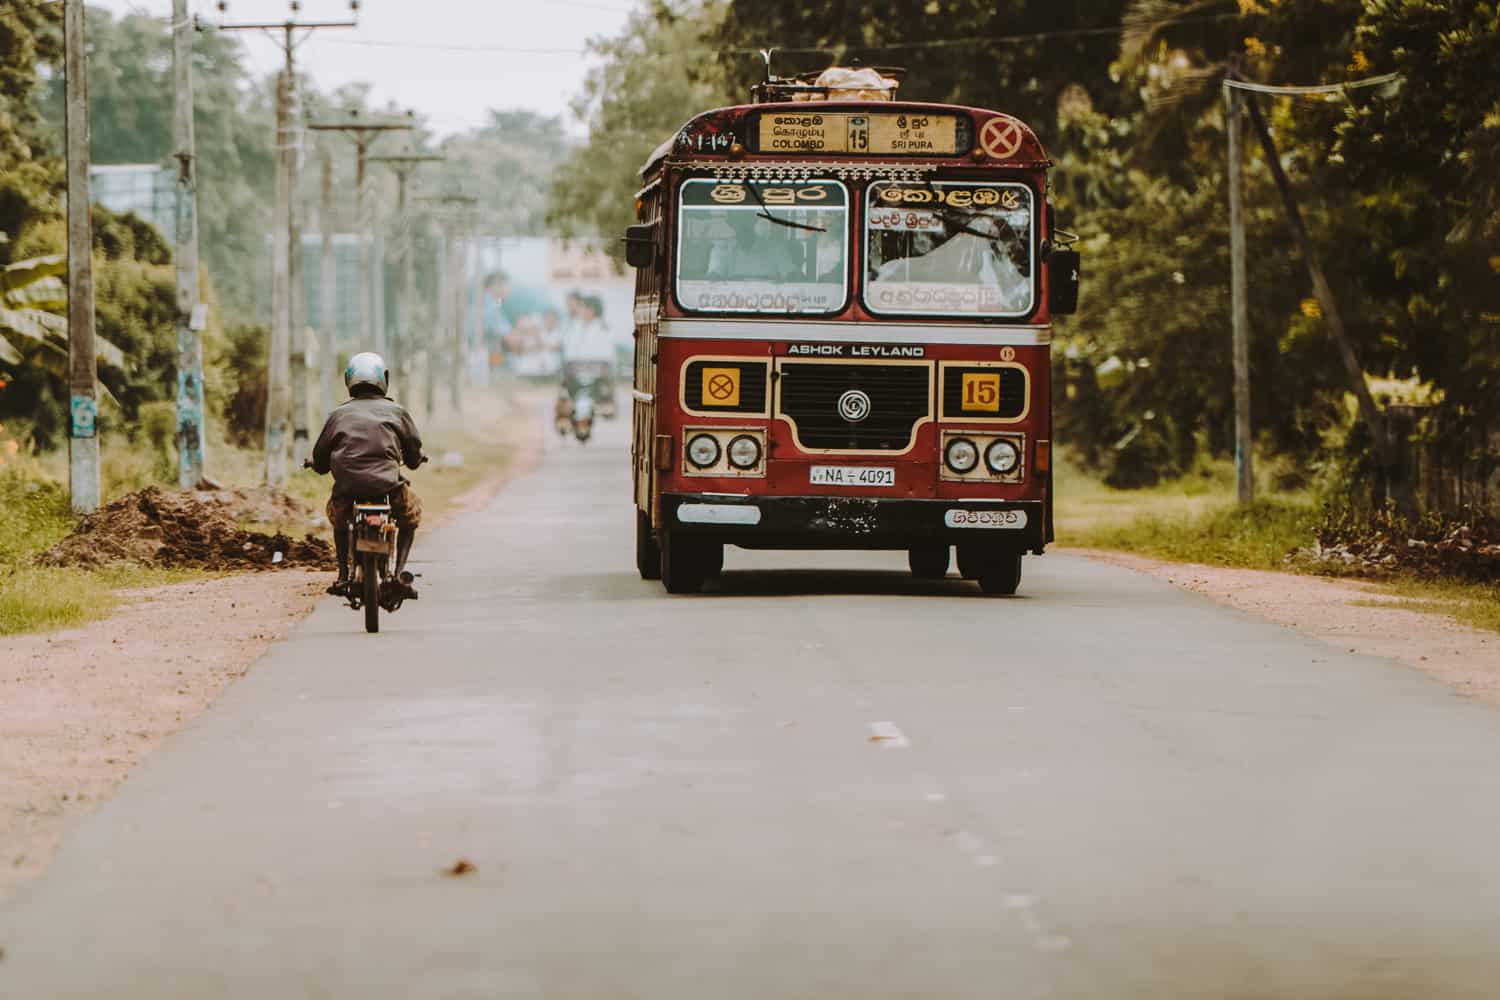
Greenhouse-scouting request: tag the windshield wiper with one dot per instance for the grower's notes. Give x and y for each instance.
(765, 213)
(959, 218)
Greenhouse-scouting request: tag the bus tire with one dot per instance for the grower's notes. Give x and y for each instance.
(972, 560)
(647, 552)
(682, 564)
(713, 559)
(1001, 575)
(928, 561)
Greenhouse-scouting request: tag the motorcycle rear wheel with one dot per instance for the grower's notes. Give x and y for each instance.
(369, 572)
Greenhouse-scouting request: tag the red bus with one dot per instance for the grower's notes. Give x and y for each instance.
(842, 327)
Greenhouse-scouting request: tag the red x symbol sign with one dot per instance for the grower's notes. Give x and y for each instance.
(1001, 138)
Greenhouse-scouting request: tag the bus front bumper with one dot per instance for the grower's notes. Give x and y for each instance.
(853, 522)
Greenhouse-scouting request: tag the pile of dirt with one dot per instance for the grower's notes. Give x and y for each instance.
(154, 527)
(264, 506)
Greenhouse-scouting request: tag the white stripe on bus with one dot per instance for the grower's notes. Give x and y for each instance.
(825, 332)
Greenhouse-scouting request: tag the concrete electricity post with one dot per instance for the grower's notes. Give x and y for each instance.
(328, 290)
(1244, 438)
(404, 165)
(455, 222)
(190, 312)
(365, 130)
(83, 440)
(285, 259)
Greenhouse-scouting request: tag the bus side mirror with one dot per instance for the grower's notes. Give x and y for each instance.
(1064, 268)
(640, 245)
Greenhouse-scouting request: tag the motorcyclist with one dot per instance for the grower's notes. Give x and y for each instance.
(364, 443)
(586, 343)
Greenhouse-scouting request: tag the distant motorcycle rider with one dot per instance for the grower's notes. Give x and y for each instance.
(364, 444)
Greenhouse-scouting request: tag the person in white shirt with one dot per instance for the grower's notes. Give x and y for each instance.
(588, 349)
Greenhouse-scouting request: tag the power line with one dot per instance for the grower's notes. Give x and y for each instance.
(935, 43)
(1313, 89)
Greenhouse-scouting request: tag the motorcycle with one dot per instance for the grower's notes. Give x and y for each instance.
(374, 585)
(580, 400)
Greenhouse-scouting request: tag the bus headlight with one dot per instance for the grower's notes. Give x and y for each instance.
(1002, 456)
(744, 452)
(961, 456)
(703, 451)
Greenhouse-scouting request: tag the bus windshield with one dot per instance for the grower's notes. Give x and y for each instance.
(949, 249)
(777, 246)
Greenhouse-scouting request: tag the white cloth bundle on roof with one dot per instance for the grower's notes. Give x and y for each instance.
(845, 84)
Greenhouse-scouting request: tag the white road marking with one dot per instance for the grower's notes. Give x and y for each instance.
(887, 735)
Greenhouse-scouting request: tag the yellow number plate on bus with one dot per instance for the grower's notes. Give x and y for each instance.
(981, 392)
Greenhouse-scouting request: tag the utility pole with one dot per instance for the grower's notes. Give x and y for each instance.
(365, 130)
(283, 254)
(1244, 438)
(297, 322)
(404, 165)
(450, 300)
(83, 440)
(1387, 456)
(328, 282)
(190, 317)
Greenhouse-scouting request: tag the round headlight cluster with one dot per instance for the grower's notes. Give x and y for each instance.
(744, 452)
(961, 455)
(1002, 456)
(703, 451)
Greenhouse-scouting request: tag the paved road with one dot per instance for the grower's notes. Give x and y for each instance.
(818, 783)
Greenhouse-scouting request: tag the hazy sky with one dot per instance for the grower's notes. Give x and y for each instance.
(440, 57)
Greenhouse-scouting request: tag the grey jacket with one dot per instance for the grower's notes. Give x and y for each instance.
(363, 444)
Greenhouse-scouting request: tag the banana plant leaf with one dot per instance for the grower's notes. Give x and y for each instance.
(51, 331)
(44, 293)
(26, 272)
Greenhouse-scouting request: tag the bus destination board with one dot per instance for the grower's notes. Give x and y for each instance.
(882, 134)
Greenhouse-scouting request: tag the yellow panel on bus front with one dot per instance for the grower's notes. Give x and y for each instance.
(880, 134)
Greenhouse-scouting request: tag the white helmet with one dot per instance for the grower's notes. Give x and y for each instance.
(367, 369)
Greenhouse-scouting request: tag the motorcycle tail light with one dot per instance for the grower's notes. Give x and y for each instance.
(372, 519)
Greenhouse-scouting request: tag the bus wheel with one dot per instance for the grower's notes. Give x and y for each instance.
(713, 559)
(647, 552)
(929, 561)
(1001, 575)
(972, 560)
(682, 564)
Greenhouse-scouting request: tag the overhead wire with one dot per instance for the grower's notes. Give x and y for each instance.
(1311, 89)
(933, 43)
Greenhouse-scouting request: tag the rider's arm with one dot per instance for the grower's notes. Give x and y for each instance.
(322, 453)
(411, 442)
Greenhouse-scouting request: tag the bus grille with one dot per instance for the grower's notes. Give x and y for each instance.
(900, 399)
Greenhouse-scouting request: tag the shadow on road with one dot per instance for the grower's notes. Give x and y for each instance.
(845, 582)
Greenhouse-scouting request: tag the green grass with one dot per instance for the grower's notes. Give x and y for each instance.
(1192, 519)
(34, 509)
(1254, 537)
(1195, 519)
(1473, 604)
(43, 598)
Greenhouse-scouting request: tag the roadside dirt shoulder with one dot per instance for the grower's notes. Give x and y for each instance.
(1339, 612)
(80, 708)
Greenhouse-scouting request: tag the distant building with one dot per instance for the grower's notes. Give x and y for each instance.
(149, 190)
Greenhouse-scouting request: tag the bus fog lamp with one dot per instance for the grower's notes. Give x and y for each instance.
(961, 455)
(744, 452)
(1002, 457)
(703, 451)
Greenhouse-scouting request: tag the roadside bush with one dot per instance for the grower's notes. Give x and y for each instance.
(1382, 541)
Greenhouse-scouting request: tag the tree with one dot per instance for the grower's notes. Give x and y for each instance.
(655, 76)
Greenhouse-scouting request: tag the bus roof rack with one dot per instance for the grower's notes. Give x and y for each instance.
(836, 83)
